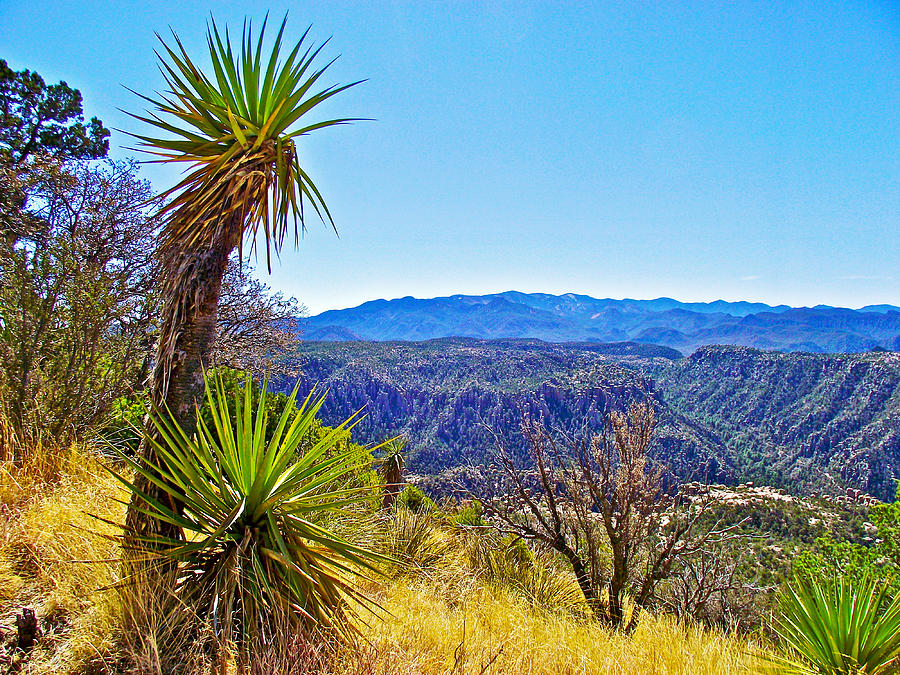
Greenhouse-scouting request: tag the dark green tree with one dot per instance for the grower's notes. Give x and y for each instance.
(37, 118)
(76, 275)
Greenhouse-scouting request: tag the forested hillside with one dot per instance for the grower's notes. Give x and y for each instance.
(804, 422)
(796, 420)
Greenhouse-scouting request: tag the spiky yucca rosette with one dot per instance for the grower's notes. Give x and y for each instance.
(255, 555)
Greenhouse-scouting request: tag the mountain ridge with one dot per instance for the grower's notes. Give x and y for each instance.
(572, 317)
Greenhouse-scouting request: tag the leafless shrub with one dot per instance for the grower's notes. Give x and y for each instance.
(600, 502)
(255, 328)
(708, 587)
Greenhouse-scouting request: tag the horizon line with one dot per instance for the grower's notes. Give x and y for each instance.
(585, 295)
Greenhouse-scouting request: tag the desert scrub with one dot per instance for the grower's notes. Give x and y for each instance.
(456, 621)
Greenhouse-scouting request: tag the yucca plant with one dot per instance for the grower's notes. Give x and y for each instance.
(254, 549)
(391, 470)
(833, 627)
(236, 128)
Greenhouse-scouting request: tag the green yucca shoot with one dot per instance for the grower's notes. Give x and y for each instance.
(838, 628)
(255, 551)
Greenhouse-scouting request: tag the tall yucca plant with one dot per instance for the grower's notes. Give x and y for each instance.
(236, 128)
(255, 551)
(838, 628)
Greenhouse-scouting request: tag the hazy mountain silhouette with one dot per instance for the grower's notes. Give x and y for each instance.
(581, 318)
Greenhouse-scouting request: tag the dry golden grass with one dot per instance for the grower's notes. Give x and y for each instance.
(55, 557)
(447, 617)
(59, 556)
(484, 631)
(43, 466)
(479, 606)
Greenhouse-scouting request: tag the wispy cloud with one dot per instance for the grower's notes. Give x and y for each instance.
(751, 277)
(865, 277)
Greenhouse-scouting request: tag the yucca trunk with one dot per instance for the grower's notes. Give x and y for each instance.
(186, 339)
(394, 484)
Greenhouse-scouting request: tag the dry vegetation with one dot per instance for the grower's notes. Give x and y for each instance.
(453, 607)
(478, 629)
(57, 556)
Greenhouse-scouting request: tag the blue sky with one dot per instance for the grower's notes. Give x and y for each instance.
(697, 150)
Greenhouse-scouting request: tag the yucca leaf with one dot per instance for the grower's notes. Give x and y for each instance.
(838, 628)
(268, 79)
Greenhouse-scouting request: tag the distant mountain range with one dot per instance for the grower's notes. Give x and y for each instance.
(580, 318)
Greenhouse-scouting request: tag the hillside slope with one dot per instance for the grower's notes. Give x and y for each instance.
(796, 419)
(805, 422)
(451, 396)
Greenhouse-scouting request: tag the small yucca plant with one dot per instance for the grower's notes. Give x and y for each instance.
(838, 628)
(391, 470)
(255, 552)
